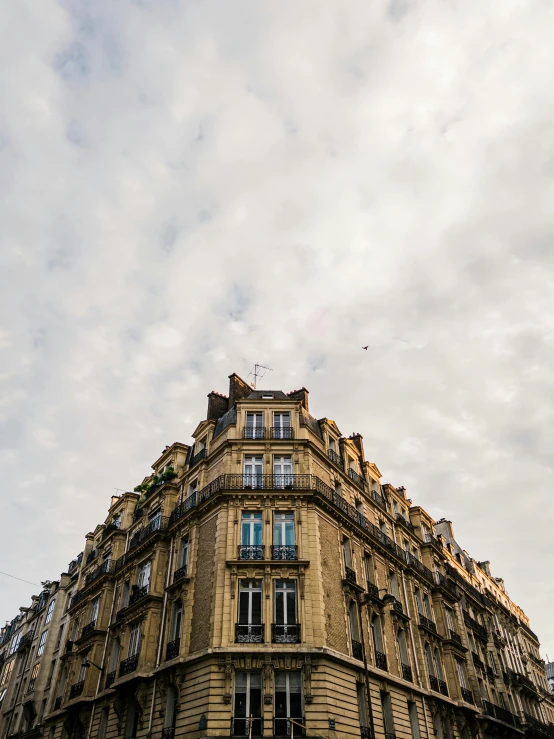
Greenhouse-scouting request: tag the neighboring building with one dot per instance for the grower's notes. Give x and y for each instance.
(264, 582)
(550, 675)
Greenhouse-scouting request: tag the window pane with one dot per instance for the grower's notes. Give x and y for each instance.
(243, 607)
(279, 607)
(291, 607)
(256, 608)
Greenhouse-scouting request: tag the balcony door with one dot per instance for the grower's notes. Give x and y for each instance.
(134, 641)
(283, 536)
(248, 704)
(281, 426)
(253, 472)
(94, 608)
(282, 471)
(144, 576)
(286, 626)
(250, 628)
(251, 536)
(254, 428)
(288, 703)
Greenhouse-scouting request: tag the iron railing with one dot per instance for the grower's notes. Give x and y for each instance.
(424, 621)
(434, 683)
(107, 567)
(419, 567)
(285, 633)
(407, 672)
(507, 716)
(282, 432)
(249, 633)
(357, 651)
(356, 478)
(404, 521)
(128, 665)
(77, 598)
(350, 575)
(180, 574)
(444, 583)
(251, 551)
(467, 695)
(477, 628)
(455, 636)
(379, 499)
(397, 606)
(168, 732)
(172, 649)
(335, 458)
(284, 551)
(380, 660)
(110, 677)
(158, 524)
(251, 727)
(477, 661)
(443, 687)
(539, 727)
(109, 528)
(202, 454)
(92, 556)
(372, 589)
(180, 510)
(76, 689)
(138, 594)
(26, 641)
(289, 726)
(88, 629)
(254, 432)
(365, 732)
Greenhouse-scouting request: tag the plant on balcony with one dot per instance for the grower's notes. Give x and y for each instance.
(168, 474)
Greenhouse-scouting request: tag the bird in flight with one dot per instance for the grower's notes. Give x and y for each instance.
(365, 347)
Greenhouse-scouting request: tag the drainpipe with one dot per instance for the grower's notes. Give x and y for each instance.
(22, 673)
(161, 639)
(366, 671)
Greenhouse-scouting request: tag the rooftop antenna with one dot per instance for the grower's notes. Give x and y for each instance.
(256, 373)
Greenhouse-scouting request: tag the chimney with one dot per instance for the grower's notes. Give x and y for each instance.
(302, 396)
(217, 405)
(486, 567)
(444, 527)
(358, 440)
(238, 389)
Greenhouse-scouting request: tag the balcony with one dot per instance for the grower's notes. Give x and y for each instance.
(378, 499)
(180, 574)
(92, 556)
(407, 672)
(76, 689)
(356, 478)
(357, 651)
(390, 735)
(250, 727)
(121, 562)
(109, 529)
(285, 633)
(26, 641)
(445, 585)
(110, 677)
(158, 525)
(350, 575)
(477, 661)
(503, 715)
(443, 687)
(282, 432)
(183, 507)
(249, 633)
(372, 590)
(172, 649)
(397, 606)
(434, 683)
(107, 567)
(251, 551)
(138, 514)
(516, 678)
(289, 726)
(284, 551)
(455, 637)
(128, 665)
(57, 703)
(77, 598)
(88, 629)
(537, 727)
(427, 623)
(365, 732)
(475, 626)
(202, 454)
(168, 732)
(419, 567)
(380, 660)
(467, 695)
(335, 458)
(138, 594)
(251, 432)
(404, 522)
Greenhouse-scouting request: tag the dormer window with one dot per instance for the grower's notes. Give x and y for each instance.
(267, 397)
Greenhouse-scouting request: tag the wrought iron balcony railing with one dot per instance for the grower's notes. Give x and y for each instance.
(467, 695)
(128, 665)
(254, 432)
(380, 660)
(180, 510)
(282, 432)
(477, 661)
(356, 478)
(445, 584)
(407, 672)
(404, 521)
(180, 574)
(157, 525)
(250, 727)
(434, 683)
(58, 703)
(92, 556)
(357, 651)
(476, 627)
(350, 575)
(107, 567)
(110, 677)
(88, 629)
(431, 625)
(249, 633)
(372, 589)
(538, 727)
(138, 594)
(419, 567)
(168, 732)
(443, 687)
(289, 726)
(202, 454)
(379, 499)
(26, 641)
(397, 606)
(285, 633)
(455, 636)
(390, 735)
(113, 526)
(284, 551)
(335, 458)
(76, 689)
(251, 551)
(365, 732)
(173, 648)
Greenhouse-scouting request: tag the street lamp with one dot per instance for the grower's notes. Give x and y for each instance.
(87, 663)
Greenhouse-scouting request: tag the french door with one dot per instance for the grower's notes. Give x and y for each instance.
(248, 705)
(282, 472)
(254, 472)
(288, 704)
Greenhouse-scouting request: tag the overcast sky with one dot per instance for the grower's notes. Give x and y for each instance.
(189, 187)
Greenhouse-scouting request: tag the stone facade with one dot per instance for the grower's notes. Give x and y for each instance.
(265, 582)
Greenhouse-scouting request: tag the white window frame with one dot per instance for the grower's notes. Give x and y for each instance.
(50, 611)
(42, 643)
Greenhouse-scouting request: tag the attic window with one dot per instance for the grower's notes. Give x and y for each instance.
(267, 397)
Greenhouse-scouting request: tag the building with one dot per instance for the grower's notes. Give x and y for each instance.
(263, 581)
(550, 675)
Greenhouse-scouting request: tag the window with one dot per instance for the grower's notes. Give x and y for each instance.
(438, 664)
(49, 612)
(144, 575)
(59, 637)
(354, 626)
(359, 506)
(250, 602)
(377, 635)
(33, 677)
(83, 669)
(427, 605)
(177, 620)
(282, 471)
(402, 647)
(419, 602)
(461, 674)
(283, 529)
(3, 695)
(8, 667)
(124, 600)
(426, 533)
(51, 673)
(170, 707)
(183, 558)
(449, 618)
(347, 553)
(94, 608)
(248, 704)
(15, 642)
(254, 428)
(134, 640)
(267, 397)
(369, 570)
(387, 712)
(253, 472)
(114, 655)
(155, 518)
(116, 520)
(338, 488)
(285, 602)
(251, 529)
(42, 642)
(332, 445)
(414, 722)
(362, 704)
(103, 722)
(383, 527)
(193, 488)
(281, 426)
(288, 702)
(429, 660)
(394, 586)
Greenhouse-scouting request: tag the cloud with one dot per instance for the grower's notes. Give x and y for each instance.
(192, 187)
